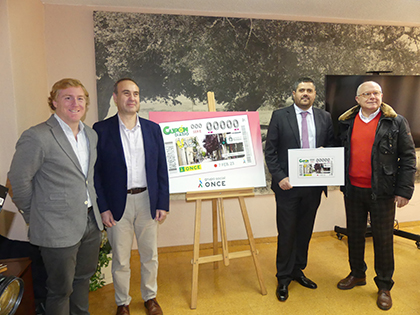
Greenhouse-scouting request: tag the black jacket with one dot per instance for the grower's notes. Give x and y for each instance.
(393, 153)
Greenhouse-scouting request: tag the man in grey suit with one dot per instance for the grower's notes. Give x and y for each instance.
(297, 126)
(52, 181)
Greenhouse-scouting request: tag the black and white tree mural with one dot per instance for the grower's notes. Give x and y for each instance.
(249, 64)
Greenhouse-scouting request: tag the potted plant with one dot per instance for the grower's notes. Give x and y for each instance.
(97, 280)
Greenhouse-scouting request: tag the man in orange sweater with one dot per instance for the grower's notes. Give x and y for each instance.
(380, 169)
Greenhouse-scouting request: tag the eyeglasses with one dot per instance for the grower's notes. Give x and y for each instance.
(368, 94)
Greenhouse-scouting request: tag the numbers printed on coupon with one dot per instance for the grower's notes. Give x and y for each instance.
(315, 167)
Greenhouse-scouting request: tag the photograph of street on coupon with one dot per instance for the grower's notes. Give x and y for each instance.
(207, 145)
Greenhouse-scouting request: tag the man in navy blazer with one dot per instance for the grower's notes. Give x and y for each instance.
(131, 180)
(296, 206)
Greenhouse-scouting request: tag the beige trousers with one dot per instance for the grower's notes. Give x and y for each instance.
(135, 220)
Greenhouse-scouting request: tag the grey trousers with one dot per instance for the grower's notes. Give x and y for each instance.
(69, 270)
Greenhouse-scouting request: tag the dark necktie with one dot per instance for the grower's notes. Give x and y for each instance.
(305, 138)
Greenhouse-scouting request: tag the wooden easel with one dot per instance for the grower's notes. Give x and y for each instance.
(217, 196)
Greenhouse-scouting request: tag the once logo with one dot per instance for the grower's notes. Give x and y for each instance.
(189, 168)
(219, 183)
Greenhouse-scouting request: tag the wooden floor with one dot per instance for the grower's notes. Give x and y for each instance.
(235, 290)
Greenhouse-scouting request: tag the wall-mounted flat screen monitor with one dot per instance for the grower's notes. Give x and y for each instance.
(401, 92)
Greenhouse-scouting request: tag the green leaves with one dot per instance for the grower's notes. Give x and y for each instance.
(97, 280)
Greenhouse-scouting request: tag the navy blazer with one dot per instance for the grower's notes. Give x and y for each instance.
(111, 169)
(283, 134)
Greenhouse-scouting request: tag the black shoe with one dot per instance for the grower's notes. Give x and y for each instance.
(308, 283)
(282, 292)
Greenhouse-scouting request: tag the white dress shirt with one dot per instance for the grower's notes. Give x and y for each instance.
(132, 142)
(311, 125)
(371, 116)
(80, 147)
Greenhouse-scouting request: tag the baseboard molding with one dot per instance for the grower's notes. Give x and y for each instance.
(262, 240)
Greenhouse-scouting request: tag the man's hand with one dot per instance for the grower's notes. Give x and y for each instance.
(108, 218)
(401, 201)
(160, 215)
(284, 184)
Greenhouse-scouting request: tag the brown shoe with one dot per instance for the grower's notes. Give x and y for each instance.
(384, 301)
(350, 282)
(123, 310)
(153, 307)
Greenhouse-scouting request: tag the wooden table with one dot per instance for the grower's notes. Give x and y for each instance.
(21, 267)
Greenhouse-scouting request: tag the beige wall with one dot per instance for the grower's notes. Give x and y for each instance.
(70, 49)
(26, 23)
(65, 48)
(8, 120)
(23, 86)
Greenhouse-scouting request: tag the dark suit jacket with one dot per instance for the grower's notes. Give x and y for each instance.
(49, 187)
(283, 134)
(111, 169)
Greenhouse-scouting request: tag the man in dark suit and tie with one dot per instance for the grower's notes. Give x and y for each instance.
(131, 180)
(52, 181)
(297, 126)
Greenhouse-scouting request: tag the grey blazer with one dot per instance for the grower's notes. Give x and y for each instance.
(49, 187)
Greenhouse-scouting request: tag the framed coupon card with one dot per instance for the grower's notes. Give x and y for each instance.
(212, 150)
(316, 167)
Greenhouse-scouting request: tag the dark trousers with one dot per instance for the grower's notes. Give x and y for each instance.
(359, 203)
(69, 270)
(296, 211)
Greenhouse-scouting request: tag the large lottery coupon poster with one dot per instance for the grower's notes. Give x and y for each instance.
(212, 150)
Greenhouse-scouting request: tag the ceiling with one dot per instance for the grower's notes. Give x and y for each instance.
(390, 12)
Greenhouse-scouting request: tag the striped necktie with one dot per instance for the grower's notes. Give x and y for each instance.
(305, 138)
